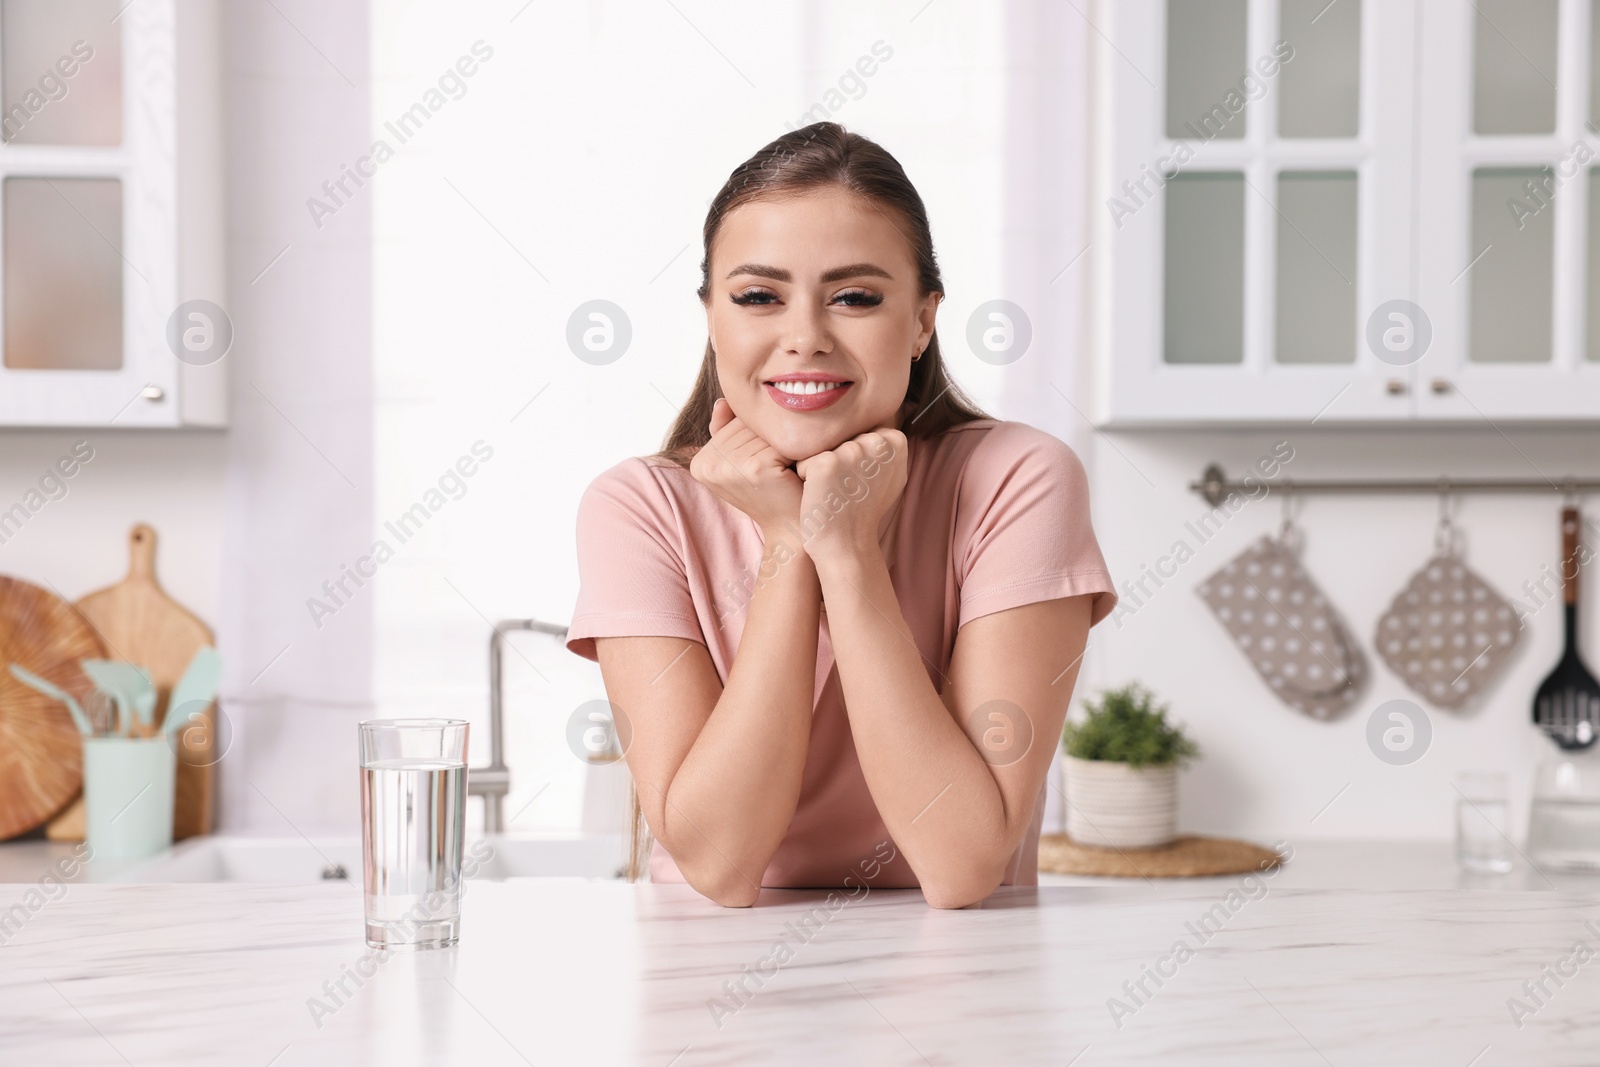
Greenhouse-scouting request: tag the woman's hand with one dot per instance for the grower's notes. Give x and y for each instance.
(848, 491)
(745, 472)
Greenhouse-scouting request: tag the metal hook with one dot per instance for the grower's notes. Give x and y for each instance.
(1444, 538)
(1286, 528)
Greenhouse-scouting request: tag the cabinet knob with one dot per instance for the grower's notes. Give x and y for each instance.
(1395, 386)
(1440, 385)
(152, 392)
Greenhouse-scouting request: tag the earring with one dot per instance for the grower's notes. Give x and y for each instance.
(916, 356)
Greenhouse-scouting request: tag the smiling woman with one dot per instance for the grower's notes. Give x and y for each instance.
(926, 575)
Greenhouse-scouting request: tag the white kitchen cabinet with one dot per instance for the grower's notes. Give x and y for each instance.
(111, 214)
(1277, 174)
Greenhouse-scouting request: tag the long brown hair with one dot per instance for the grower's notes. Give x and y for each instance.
(812, 157)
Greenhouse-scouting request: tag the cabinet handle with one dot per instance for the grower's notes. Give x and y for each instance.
(1440, 385)
(1395, 386)
(152, 392)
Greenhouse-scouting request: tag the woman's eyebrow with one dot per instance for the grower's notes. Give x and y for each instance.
(837, 274)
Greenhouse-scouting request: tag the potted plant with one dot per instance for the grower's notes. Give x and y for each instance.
(1122, 765)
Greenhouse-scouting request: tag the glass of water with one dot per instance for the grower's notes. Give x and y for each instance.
(1482, 818)
(413, 808)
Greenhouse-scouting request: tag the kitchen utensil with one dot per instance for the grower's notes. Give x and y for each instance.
(129, 685)
(41, 748)
(1567, 703)
(55, 692)
(1280, 619)
(142, 624)
(1447, 634)
(101, 712)
(195, 690)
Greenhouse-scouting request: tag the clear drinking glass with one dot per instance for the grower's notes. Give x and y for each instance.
(1564, 822)
(1482, 818)
(413, 808)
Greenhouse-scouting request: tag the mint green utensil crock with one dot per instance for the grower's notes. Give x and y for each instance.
(128, 794)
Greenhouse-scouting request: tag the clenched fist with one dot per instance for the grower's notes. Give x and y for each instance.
(848, 491)
(742, 470)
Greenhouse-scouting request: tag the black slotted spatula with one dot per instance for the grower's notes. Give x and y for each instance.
(1567, 705)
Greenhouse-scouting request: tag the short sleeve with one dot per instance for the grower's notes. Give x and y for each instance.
(631, 576)
(1023, 533)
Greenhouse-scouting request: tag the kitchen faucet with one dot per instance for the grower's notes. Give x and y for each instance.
(494, 781)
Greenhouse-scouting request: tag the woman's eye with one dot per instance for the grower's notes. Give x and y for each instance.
(753, 296)
(859, 298)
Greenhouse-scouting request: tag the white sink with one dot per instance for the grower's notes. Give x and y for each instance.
(298, 859)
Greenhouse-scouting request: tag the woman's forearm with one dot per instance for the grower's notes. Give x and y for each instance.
(937, 796)
(730, 804)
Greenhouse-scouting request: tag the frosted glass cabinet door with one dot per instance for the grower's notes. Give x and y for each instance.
(61, 62)
(1514, 66)
(1511, 310)
(1316, 311)
(1321, 91)
(63, 273)
(1203, 309)
(1205, 61)
(100, 246)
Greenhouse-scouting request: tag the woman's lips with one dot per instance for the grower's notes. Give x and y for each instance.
(807, 401)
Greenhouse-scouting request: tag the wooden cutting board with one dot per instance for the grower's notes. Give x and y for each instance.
(141, 624)
(41, 751)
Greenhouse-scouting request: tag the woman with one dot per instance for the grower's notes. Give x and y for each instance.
(840, 615)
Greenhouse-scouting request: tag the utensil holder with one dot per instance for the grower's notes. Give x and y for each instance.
(127, 795)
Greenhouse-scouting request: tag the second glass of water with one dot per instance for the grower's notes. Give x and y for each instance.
(413, 809)
(1482, 820)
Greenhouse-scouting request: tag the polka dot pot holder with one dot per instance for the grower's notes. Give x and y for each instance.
(1447, 634)
(1285, 626)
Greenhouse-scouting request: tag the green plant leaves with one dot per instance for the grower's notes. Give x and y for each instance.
(1127, 726)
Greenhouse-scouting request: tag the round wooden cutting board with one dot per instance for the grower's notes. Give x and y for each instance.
(41, 751)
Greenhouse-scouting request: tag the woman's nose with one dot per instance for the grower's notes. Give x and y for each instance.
(806, 330)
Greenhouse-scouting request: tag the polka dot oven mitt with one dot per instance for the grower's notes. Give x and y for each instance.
(1285, 626)
(1447, 634)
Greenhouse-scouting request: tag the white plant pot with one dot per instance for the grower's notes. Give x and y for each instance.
(1113, 805)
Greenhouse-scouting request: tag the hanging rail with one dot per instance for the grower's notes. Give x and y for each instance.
(1215, 486)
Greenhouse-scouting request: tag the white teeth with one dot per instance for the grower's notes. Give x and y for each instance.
(805, 388)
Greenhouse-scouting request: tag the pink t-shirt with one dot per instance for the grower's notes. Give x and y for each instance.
(995, 515)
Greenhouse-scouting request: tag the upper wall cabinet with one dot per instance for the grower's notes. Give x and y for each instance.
(1348, 211)
(111, 221)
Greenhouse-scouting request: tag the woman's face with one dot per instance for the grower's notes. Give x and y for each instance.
(814, 316)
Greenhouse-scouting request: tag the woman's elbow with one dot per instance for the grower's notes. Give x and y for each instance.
(721, 885)
(737, 894)
(961, 891)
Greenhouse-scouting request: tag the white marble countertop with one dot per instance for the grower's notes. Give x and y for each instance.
(552, 971)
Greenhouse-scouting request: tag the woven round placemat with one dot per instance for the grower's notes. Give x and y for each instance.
(1189, 856)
